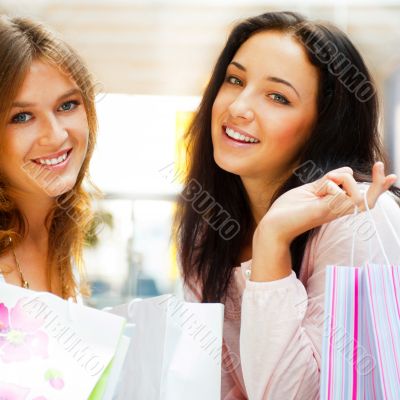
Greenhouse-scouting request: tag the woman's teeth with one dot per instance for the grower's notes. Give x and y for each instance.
(53, 161)
(240, 137)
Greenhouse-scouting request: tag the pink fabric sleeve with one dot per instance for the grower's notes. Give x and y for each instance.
(282, 321)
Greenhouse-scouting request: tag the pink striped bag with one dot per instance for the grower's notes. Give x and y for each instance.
(361, 341)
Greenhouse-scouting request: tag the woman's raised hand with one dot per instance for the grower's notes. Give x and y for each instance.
(306, 207)
(330, 197)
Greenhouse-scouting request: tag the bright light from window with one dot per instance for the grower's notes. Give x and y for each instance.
(137, 139)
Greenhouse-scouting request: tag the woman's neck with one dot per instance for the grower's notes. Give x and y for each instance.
(260, 192)
(259, 196)
(35, 210)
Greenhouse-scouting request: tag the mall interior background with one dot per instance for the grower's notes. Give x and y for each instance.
(151, 60)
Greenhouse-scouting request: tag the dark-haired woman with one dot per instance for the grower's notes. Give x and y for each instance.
(282, 148)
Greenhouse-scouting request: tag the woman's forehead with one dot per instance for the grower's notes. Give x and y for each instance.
(278, 54)
(44, 79)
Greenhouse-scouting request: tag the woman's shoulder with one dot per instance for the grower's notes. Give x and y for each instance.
(334, 242)
(387, 207)
(387, 200)
(388, 203)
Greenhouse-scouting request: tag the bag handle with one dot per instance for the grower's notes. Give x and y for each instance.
(389, 223)
(372, 221)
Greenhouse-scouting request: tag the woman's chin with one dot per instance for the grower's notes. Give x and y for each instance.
(59, 186)
(233, 166)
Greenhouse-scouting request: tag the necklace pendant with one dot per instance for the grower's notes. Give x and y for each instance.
(25, 284)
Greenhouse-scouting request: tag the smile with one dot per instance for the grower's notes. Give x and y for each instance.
(54, 160)
(240, 137)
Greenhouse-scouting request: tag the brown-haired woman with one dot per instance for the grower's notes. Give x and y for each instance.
(47, 135)
(281, 149)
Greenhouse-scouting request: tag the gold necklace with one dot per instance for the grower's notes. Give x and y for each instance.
(24, 282)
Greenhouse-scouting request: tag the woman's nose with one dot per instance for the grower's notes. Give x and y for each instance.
(241, 107)
(52, 132)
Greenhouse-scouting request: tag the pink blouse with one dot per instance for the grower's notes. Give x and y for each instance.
(273, 331)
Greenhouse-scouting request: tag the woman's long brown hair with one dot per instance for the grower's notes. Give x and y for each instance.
(23, 41)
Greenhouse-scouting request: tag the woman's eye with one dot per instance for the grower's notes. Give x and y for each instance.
(21, 118)
(279, 98)
(69, 105)
(233, 80)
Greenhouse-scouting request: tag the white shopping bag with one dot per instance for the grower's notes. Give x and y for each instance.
(176, 352)
(55, 349)
(111, 379)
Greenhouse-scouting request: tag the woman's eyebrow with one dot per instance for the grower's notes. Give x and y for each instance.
(238, 65)
(283, 81)
(23, 104)
(269, 78)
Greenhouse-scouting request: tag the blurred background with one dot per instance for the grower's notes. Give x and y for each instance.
(151, 60)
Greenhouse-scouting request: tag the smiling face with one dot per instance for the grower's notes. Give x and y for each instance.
(45, 141)
(265, 109)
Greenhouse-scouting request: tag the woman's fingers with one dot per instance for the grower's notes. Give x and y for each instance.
(350, 195)
(380, 183)
(348, 184)
(319, 183)
(347, 170)
(337, 200)
(328, 187)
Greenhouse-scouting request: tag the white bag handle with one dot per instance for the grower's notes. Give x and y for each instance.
(390, 224)
(371, 219)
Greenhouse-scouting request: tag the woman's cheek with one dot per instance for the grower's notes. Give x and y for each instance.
(285, 129)
(293, 127)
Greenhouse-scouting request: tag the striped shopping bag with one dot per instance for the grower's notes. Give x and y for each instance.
(361, 341)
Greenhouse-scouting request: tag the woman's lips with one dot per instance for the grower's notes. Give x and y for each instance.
(238, 137)
(57, 166)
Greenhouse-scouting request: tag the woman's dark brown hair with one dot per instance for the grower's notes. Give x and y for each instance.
(345, 134)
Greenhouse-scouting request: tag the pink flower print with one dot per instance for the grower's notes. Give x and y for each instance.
(20, 335)
(3, 322)
(55, 379)
(9, 391)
